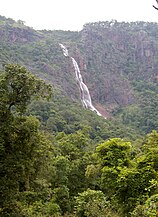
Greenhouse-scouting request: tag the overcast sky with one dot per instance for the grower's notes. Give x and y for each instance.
(73, 14)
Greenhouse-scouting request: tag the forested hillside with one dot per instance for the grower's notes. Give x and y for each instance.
(60, 159)
(118, 62)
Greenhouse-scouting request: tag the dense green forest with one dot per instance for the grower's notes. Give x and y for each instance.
(59, 159)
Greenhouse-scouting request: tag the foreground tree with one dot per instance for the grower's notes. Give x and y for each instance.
(24, 148)
(19, 87)
(124, 181)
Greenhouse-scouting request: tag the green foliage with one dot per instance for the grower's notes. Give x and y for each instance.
(92, 203)
(18, 87)
(48, 209)
(24, 148)
(143, 115)
(148, 209)
(114, 153)
(126, 182)
(74, 148)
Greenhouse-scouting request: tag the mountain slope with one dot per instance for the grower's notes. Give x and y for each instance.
(118, 62)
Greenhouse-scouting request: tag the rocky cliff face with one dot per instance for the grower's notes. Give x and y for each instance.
(17, 32)
(23, 35)
(116, 55)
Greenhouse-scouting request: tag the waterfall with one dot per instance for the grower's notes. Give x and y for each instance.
(85, 95)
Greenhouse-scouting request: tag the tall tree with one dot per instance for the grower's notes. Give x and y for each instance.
(23, 148)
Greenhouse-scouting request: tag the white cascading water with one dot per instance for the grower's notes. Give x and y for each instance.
(85, 95)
